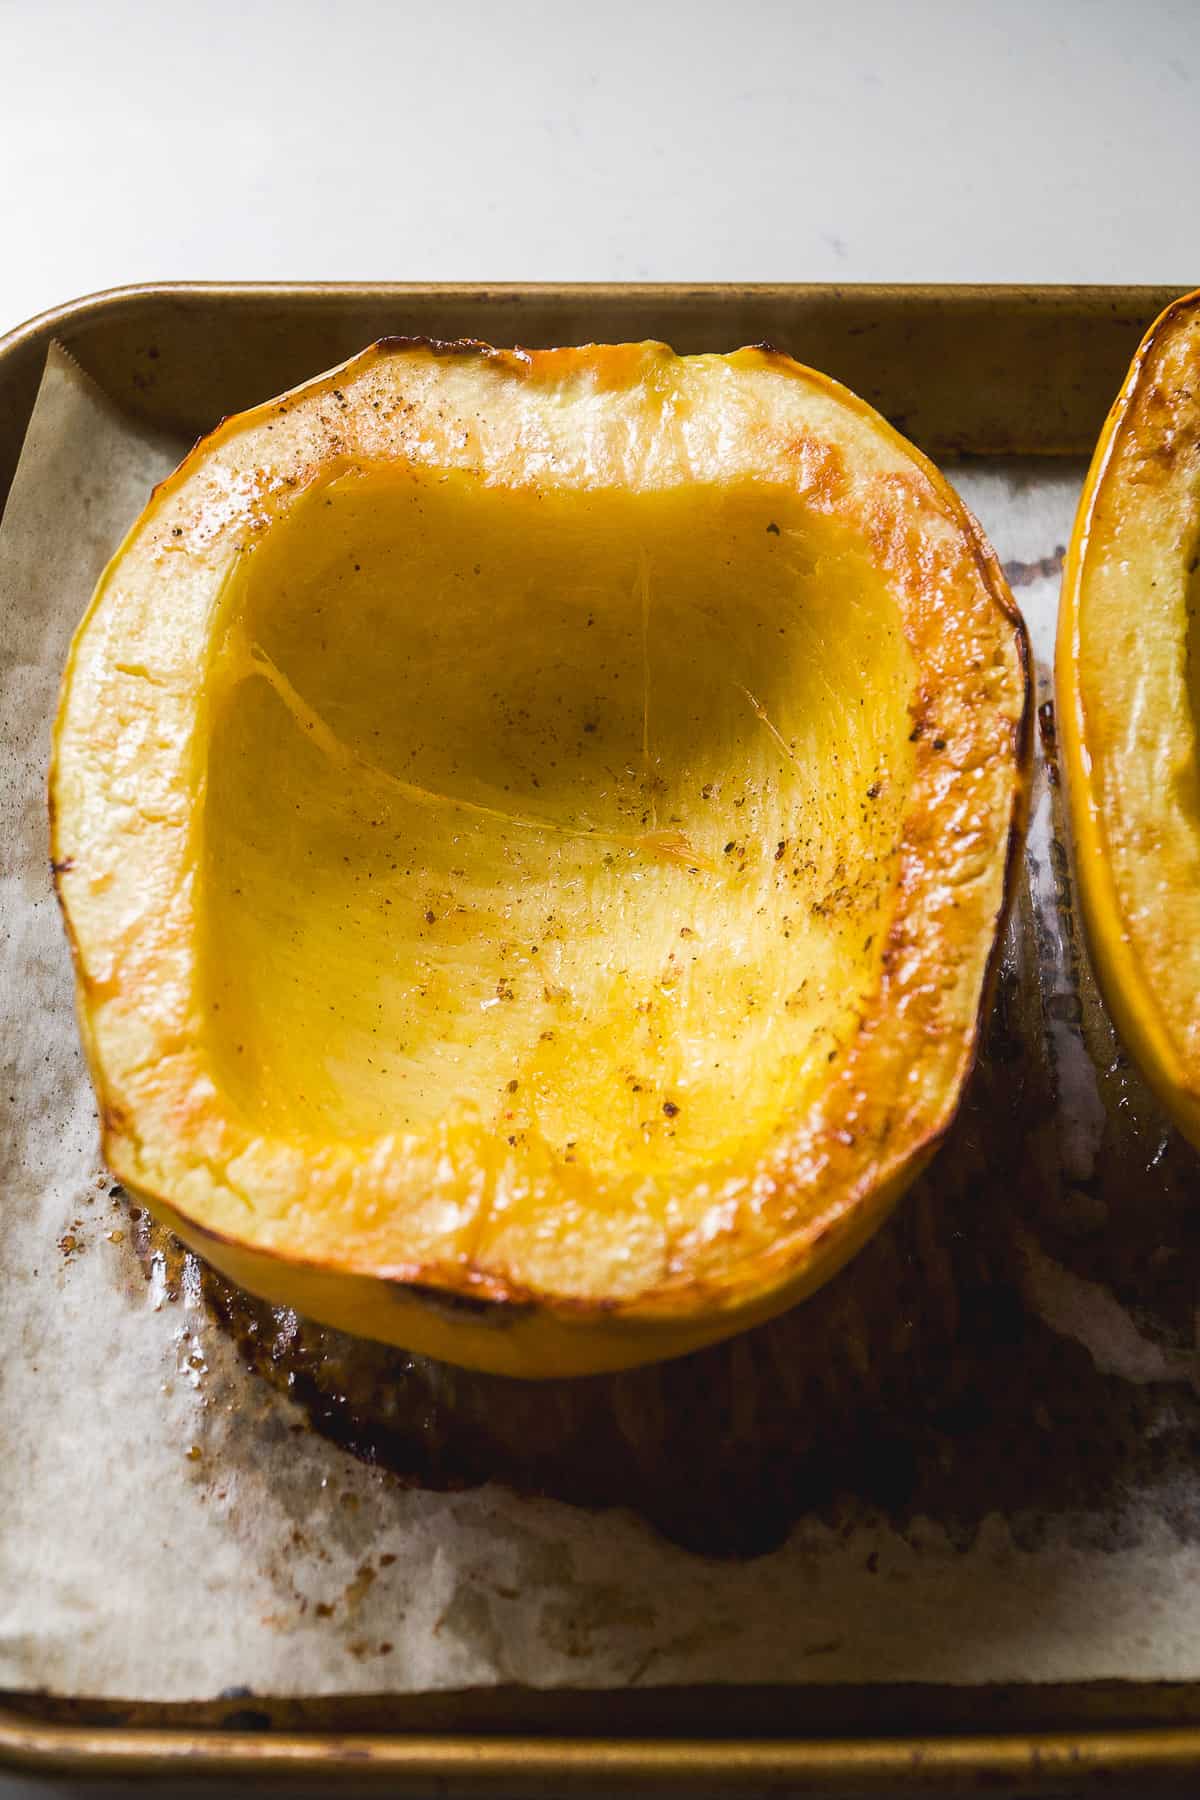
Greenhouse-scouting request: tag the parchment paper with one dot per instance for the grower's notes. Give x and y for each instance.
(167, 1533)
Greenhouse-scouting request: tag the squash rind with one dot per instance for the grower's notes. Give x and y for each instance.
(163, 1130)
(1144, 462)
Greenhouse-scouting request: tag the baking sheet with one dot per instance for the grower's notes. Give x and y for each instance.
(169, 1530)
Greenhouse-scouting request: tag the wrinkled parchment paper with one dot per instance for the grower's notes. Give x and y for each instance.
(167, 1533)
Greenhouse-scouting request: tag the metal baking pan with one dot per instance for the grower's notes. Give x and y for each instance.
(968, 371)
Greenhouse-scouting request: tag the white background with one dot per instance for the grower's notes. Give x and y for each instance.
(942, 140)
(630, 140)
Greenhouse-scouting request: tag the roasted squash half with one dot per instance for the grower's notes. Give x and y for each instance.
(534, 830)
(1128, 689)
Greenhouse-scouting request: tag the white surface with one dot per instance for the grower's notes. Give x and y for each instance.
(936, 140)
(942, 140)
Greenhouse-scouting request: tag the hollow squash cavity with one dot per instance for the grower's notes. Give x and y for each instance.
(569, 815)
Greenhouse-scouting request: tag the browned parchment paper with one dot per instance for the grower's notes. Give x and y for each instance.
(167, 1530)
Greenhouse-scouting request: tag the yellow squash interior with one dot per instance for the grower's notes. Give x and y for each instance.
(533, 829)
(570, 814)
(1129, 690)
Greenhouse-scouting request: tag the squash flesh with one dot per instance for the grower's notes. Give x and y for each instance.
(571, 848)
(1129, 684)
(252, 728)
